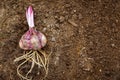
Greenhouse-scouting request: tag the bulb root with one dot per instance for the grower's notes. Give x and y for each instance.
(39, 58)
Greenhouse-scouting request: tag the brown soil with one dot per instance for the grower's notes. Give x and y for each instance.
(84, 36)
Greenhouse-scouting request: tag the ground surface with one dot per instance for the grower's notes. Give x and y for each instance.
(84, 36)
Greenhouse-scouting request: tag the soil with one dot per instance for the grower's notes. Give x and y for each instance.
(83, 36)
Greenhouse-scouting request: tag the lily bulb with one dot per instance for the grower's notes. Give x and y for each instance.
(32, 39)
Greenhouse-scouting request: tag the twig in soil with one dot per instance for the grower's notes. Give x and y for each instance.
(72, 23)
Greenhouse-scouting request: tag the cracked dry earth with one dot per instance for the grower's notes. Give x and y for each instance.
(84, 36)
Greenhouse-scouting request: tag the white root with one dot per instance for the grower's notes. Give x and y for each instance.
(36, 59)
(22, 57)
(18, 71)
(32, 66)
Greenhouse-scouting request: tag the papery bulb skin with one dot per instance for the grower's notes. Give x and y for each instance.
(32, 40)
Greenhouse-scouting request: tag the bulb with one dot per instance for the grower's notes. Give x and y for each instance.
(32, 40)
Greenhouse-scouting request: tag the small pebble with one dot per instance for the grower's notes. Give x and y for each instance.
(55, 17)
(80, 16)
(61, 19)
(74, 10)
(48, 26)
(57, 25)
(46, 15)
(117, 20)
(53, 39)
(44, 29)
(113, 45)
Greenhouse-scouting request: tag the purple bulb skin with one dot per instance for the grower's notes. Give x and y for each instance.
(32, 40)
